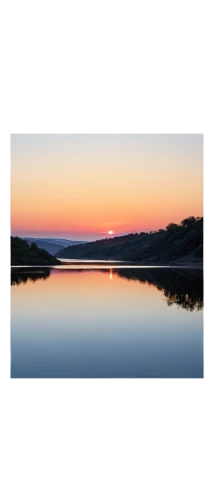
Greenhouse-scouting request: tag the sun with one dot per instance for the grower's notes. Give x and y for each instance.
(110, 232)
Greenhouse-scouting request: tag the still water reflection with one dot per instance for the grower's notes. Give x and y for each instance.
(106, 323)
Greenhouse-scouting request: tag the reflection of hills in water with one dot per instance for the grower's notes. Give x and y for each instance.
(183, 287)
(24, 275)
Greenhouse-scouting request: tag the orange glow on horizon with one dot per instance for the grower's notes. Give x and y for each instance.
(79, 186)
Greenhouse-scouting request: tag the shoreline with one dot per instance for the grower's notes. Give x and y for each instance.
(179, 264)
(114, 265)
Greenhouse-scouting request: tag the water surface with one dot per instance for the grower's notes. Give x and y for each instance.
(110, 322)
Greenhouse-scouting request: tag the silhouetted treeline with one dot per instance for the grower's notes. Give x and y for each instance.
(177, 243)
(27, 255)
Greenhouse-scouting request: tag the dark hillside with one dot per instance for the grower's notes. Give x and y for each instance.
(108, 248)
(26, 255)
(177, 243)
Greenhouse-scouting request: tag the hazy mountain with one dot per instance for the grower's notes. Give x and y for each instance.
(26, 254)
(177, 243)
(52, 245)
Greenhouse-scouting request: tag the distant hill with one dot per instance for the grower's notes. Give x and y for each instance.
(26, 254)
(178, 243)
(52, 245)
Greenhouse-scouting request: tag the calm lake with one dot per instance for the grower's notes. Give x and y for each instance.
(106, 322)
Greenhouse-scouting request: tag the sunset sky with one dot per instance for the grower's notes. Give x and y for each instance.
(82, 186)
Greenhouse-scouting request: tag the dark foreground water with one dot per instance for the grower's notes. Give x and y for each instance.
(106, 323)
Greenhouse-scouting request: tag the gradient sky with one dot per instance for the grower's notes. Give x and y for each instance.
(82, 186)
